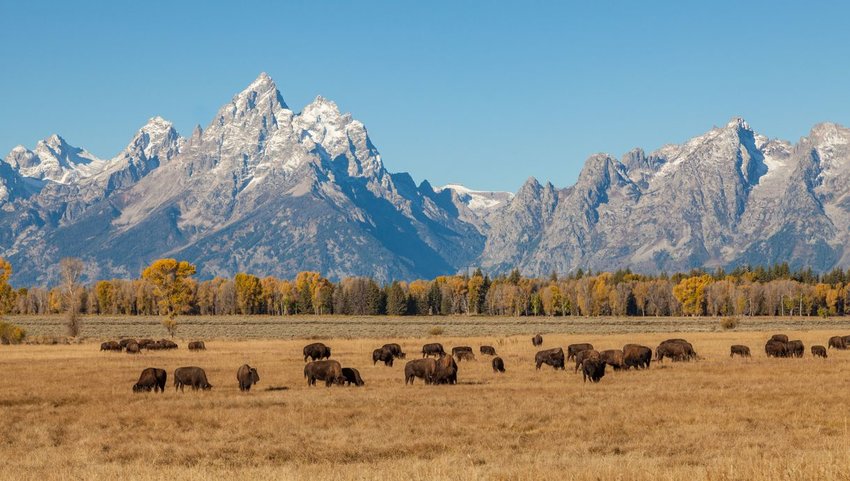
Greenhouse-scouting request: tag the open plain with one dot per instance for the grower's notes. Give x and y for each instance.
(68, 411)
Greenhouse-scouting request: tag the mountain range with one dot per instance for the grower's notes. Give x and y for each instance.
(266, 190)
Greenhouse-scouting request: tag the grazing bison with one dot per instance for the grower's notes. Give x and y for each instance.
(247, 376)
(456, 351)
(498, 364)
(775, 349)
(740, 350)
(779, 337)
(197, 346)
(586, 354)
(553, 357)
(395, 349)
(143, 343)
(574, 349)
(328, 371)
(795, 348)
(434, 349)
(316, 351)
(384, 355)
(613, 358)
(421, 368)
(819, 351)
(133, 348)
(151, 379)
(593, 369)
(445, 370)
(488, 350)
(537, 340)
(837, 342)
(124, 342)
(352, 376)
(637, 356)
(110, 346)
(166, 344)
(676, 350)
(192, 376)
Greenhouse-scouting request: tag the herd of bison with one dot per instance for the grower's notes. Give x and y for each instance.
(439, 367)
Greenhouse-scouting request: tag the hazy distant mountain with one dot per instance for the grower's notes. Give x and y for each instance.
(267, 190)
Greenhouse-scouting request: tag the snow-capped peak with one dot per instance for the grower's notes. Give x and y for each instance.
(54, 159)
(477, 200)
(738, 123)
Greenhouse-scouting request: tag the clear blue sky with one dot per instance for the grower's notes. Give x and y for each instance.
(482, 93)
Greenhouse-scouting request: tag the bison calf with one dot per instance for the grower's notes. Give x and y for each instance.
(819, 351)
(740, 350)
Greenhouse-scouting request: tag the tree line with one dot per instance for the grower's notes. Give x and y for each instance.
(167, 288)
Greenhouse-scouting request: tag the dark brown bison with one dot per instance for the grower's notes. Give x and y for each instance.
(110, 346)
(316, 351)
(740, 350)
(795, 348)
(498, 364)
(675, 350)
(192, 376)
(123, 342)
(459, 349)
(151, 379)
(395, 349)
(328, 371)
(197, 346)
(143, 343)
(167, 344)
(779, 337)
(537, 340)
(445, 370)
(574, 349)
(775, 349)
(421, 368)
(613, 358)
(593, 369)
(586, 354)
(488, 350)
(433, 349)
(837, 342)
(553, 357)
(384, 355)
(819, 351)
(133, 348)
(352, 376)
(637, 356)
(247, 376)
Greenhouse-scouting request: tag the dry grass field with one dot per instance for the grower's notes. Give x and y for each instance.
(68, 412)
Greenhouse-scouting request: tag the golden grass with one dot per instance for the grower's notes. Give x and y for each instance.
(68, 413)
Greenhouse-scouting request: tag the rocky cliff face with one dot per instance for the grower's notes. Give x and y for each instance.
(267, 190)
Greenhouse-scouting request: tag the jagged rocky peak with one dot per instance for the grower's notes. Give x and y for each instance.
(157, 138)
(54, 159)
(260, 99)
(477, 200)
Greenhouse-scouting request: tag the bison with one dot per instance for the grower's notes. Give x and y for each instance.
(445, 370)
(124, 342)
(143, 343)
(740, 350)
(613, 358)
(775, 348)
(352, 376)
(456, 351)
(593, 369)
(553, 357)
(395, 349)
(574, 349)
(151, 379)
(637, 356)
(110, 346)
(676, 350)
(316, 351)
(421, 368)
(433, 349)
(779, 337)
(498, 364)
(197, 346)
(192, 376)
(586, 354)
(328, 371)
(133, 348)
(384, 355)
(247, 376)
(837, 342)
(537, 340)
(488, 350)
(795, 348)
(819, 351)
